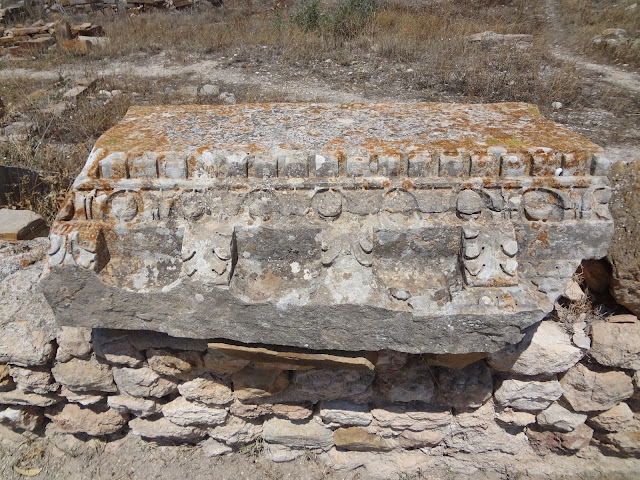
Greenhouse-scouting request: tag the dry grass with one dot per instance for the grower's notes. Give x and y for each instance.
(588, 18)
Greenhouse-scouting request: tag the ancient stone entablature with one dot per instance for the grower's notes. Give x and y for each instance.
(414, 227)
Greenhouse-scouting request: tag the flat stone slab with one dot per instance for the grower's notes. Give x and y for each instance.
(21, 225)
(424, 228)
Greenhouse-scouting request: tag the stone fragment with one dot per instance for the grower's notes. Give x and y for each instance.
(214, 448)
(453, 361)
(280, 453)
(227, 98)
(24, 346)
(139, 407)
(84, 375)
(81, 398)
(207, 390)
(528, 395)
(222, 364)
(516, 419)
(21, 225)
(311, 435)
(625, 443)
(169, 363)
(280, 410)
(616, 419)
(414, 382)
(73, 418)
(580, 339)
(577, 439)
(616, 344)
(556, 417)
(345, 413)
(163, 429)
(414, 417)
(185, 413)
(236, 431)
(16, 397)
(142, 382)
(357, 439)
(24, 418)
(327, 384)
(545, 349)
(304, 263)
(589, 390)
(34, 380)
(253, 383)
(295, 359)
(574, 292)
(73, 342)
(624, 253)
(468, 387)
(210, 90)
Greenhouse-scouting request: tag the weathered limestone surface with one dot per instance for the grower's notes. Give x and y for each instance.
(423, 228)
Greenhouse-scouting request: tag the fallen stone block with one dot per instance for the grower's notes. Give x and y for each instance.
(21, 225)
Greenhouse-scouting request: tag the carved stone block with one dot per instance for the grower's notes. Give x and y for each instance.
(424, 228)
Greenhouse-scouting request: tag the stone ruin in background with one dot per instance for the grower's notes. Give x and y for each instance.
(420, 228)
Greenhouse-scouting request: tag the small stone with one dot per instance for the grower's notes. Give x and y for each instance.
(577, 439)
(556, 417)
(79, 47)
(589, 390)
(166, 362)
(210, 90)
(236, 431)
(227, 98)
(16, 397)
(185, 413)
(357, 439)
(140, 407)
(207, 390)
(84, 375)
(280, 410)
(528, 395)
(280, 454)
(312, 435)
(82, 399)
(142, 382)
(469, 387)
(34, 380)
(73, 342)
(214, 448)
(545, 349)
(574, 292)
(73, 418)
(25, 418)
(345, 413)
(163, 429)
(414, 417)
(615, 419)
(558, 106)
(23, 346)
(616, 344)
(580, 339)
(427, 438)
(253, 383)
(21, 224)
(516, 419)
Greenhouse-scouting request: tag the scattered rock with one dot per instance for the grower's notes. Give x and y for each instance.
(21, 345)
(166, 362)
(140, 407)
(559, 418)
(73, 418)
(207, 390)
(345, 413)
(546, 349)
(227, 98)
(589, 390)
(236, 431)
(520, 41)
(616, 344)
(311, 435)
(253, 383)
(414, 417)
(188, 91)
(528, 395)
(21, 224)
(280, 454)
(214, 448)
(469, 387)
(163, 429)
(185, 413)
(612, 37)
(32, 380)
(73, 342)
(84, 375)
(616, 419)
(25, 418)
(355, 438)
(210, 90)
(571, 293)
(142, 382)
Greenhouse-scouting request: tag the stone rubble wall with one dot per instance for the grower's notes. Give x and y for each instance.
(572, 382)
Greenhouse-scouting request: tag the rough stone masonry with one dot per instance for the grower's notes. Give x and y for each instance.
(420, 228)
